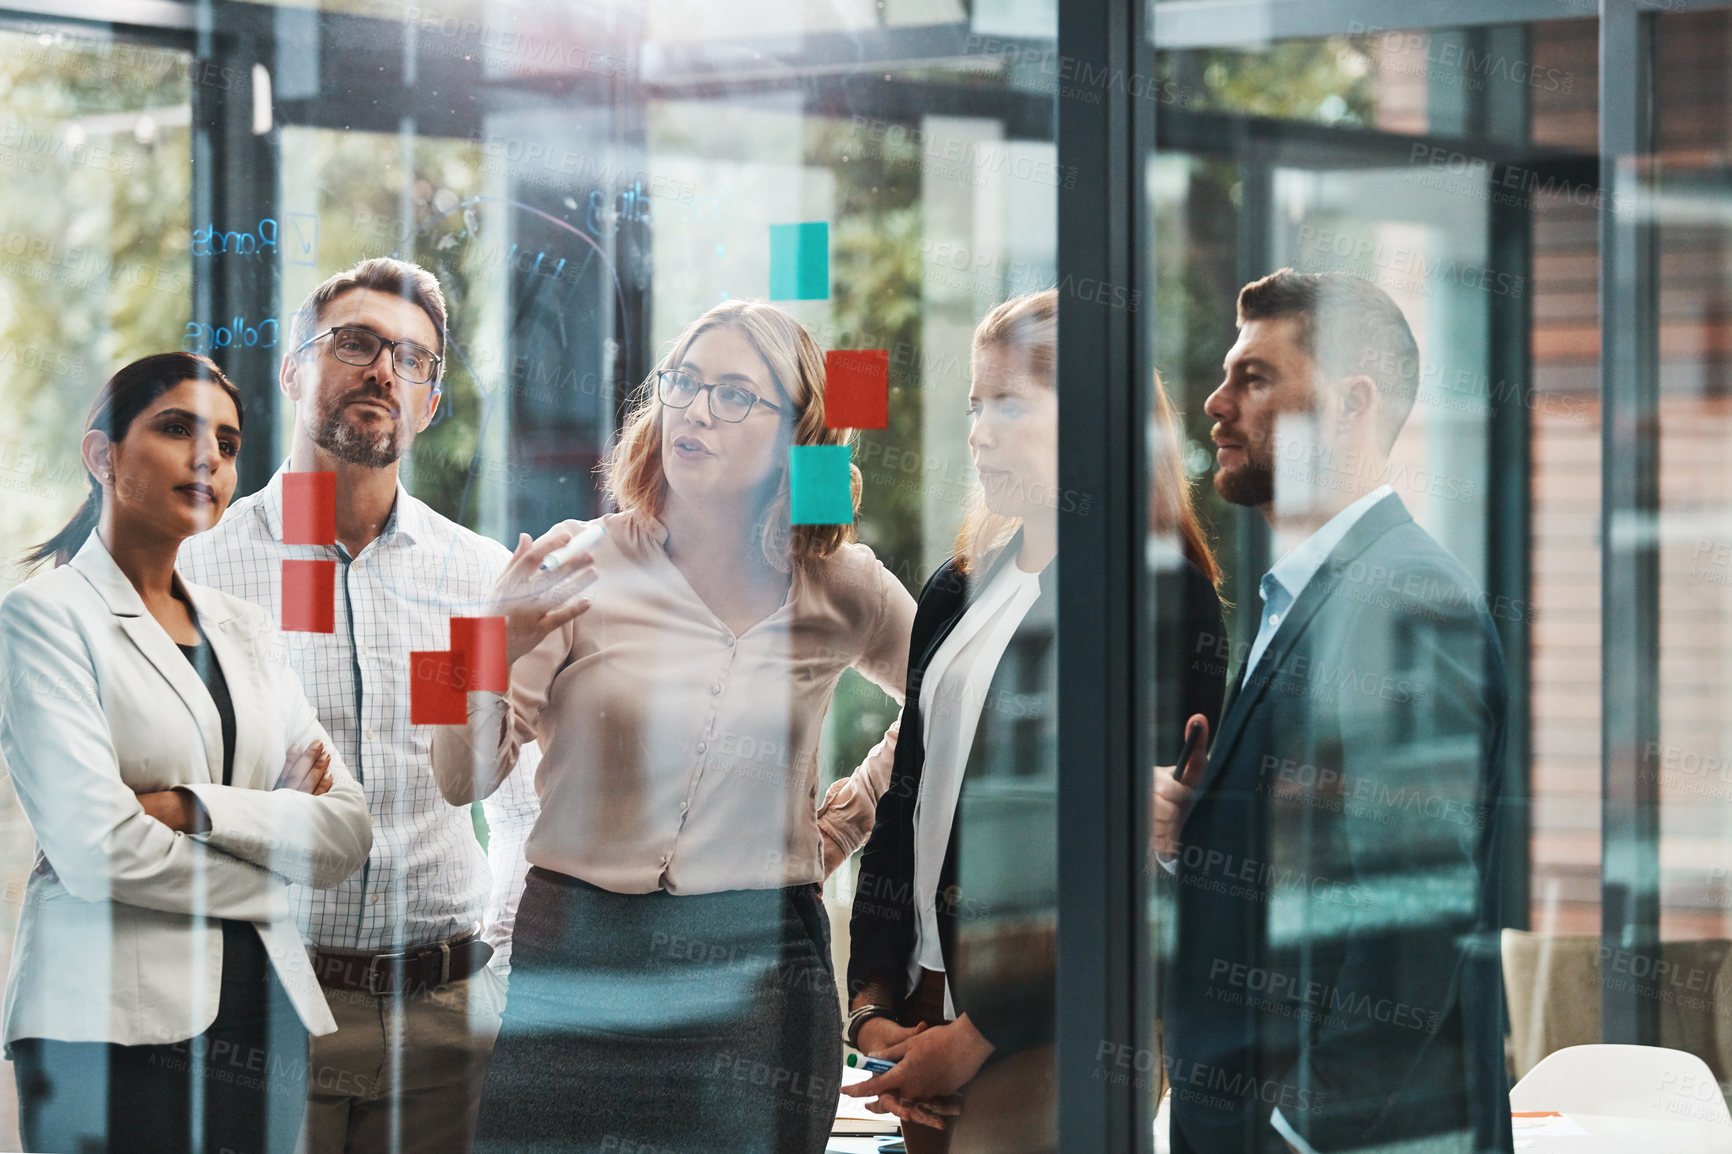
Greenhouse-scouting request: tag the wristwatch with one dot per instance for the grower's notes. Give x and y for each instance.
(858, 1018)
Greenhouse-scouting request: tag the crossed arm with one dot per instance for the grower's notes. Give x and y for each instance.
(105, 845)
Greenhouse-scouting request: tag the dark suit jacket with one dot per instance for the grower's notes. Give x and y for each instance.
(1336, 955)
(1007, 993)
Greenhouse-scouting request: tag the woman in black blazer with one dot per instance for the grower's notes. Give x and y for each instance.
(951, 961)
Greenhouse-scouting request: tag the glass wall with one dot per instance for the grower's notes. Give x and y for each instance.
(1478, 785)
(1548, 240)
(97, 272)
(584, 184)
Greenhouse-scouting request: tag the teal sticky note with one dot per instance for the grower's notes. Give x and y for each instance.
(821, 484)
(800, 261)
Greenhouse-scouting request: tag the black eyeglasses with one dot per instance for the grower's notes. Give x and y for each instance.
(731, 403)
(357, 346)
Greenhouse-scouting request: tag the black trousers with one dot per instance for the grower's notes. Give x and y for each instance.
(239, 1087)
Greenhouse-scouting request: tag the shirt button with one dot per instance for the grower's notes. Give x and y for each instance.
(368, 735)
(703, 745)
(361, 648)
(372, 899)
(684, 806)
(1274, 619)
(730, 640)
(714, 689)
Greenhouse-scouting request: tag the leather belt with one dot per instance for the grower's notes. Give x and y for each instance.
(410, 971)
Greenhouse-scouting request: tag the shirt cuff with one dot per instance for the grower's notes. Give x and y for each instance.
(481, 702)
(1285, 1129)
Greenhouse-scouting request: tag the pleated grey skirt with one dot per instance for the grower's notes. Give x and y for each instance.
(656, 1024)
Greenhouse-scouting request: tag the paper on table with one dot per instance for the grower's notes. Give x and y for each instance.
(853, 1146)
(865, 1145)
(1545, 1124)
(852, 1116)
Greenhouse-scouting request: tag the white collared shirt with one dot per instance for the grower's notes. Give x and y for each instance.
(427, 879)
(952, 694)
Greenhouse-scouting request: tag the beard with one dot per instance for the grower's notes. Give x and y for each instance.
(1251, 484)
(348, 442)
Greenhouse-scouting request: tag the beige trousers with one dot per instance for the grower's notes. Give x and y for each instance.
(403, 1073)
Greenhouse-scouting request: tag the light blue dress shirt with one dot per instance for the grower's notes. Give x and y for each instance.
(1287, 578)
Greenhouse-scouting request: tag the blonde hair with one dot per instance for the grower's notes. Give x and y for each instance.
(632, 471)
(1028, 326)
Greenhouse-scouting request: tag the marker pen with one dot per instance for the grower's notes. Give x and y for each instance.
(870, 1065)
(582, 543)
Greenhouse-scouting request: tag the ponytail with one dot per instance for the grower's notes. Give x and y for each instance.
(71, 537)
(119, 402)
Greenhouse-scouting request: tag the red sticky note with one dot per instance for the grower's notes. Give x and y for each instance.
(478, 647)
(309, 508)
(309, 596)
(435, 697)
(857, 388)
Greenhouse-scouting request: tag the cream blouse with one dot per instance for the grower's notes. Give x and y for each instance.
(676, 755)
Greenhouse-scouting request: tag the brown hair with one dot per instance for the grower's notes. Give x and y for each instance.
(1029, 325)
(383, 274)
(118, 403)
(1172, 509)
(1349, 328)
(633, 471)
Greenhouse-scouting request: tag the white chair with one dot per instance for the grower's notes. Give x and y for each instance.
(1623, 1081)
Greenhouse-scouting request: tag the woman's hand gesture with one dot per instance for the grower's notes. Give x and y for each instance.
(535, 602)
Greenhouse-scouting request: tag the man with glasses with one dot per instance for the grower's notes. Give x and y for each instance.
(402, 947)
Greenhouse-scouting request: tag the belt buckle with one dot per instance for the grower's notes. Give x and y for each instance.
(373, 970)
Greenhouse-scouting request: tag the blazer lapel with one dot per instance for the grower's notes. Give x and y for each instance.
(957, 609)
(963, 596)
(1232, 721)
(966, 586)
(1246, 693)
(96, 566)
(237, 650)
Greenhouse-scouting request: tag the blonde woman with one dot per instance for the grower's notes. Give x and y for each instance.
(671, 984)
(980, 688)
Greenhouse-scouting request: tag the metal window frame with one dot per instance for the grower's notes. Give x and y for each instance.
(1629, 520)
(234, 186)
(1103, 358)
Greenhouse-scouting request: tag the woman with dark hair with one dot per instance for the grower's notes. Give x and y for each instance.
(176, 780)
(952, 935)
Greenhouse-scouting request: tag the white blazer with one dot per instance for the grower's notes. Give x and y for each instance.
(119, 939)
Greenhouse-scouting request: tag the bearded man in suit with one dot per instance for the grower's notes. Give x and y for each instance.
(1335, 982)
